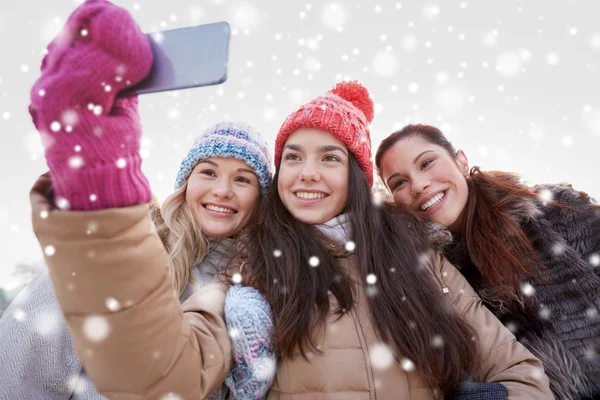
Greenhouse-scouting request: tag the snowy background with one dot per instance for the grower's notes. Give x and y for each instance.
(516, 84)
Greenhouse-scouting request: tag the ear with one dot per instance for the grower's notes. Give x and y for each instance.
(462, 162)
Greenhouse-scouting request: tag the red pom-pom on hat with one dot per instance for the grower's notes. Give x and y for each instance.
(356, 94)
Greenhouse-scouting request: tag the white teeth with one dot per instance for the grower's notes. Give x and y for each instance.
(219, 209)
(310, 196)
(434, 200)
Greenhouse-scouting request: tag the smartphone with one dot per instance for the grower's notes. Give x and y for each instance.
(185, 58)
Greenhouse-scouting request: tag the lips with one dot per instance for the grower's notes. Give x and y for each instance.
(433, 201)
(310, 195)
(219, 209)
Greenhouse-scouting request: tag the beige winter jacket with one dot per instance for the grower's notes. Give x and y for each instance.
(353, 364)
(109, 271)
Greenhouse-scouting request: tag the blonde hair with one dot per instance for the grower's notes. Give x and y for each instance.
(181, 236)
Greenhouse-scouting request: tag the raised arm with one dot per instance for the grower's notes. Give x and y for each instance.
(127, 325)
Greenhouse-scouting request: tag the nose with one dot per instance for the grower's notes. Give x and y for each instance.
(310, 173)
(420, 185)
(222, 189)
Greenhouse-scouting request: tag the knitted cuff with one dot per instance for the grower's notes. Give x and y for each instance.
(101, 186)
(479, 391)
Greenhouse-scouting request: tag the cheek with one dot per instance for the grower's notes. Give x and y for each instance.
(401, 197)
(247, 198)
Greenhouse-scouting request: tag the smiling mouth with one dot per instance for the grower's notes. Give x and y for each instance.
(433, 201)
(310, 195)
(222, 210)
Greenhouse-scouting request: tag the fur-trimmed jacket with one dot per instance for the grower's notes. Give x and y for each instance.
(561, 324)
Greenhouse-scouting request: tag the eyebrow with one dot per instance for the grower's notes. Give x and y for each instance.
(217, 165)
(321, 149)
(325, 149)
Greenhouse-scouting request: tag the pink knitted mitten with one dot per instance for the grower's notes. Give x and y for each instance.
(91, 138)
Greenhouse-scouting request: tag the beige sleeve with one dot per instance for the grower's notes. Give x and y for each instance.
(503, 359)
(110, 275)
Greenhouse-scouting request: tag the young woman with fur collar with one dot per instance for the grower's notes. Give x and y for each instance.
(531, 253)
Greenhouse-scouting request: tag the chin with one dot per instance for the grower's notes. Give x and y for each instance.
(220, 233)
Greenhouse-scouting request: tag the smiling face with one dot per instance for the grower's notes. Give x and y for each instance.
(222, 194)
(426, 178)
(314, 176)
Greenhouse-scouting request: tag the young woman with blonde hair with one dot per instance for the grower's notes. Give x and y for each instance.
(95, 165)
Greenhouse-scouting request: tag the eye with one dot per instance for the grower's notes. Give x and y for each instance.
(242, 179)
(331, 157)
(426, 163)
(292, 157)
(208, 172)
(397, 184)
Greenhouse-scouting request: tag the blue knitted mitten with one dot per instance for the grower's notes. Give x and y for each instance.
(250, 322)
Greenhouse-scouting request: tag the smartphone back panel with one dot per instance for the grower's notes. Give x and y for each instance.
(187, 57)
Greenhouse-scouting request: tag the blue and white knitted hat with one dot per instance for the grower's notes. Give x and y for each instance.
(230, 139)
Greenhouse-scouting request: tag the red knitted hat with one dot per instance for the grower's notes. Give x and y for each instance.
(346, 112)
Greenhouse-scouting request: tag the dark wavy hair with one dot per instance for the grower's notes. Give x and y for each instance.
(408, 308)
(496, 244)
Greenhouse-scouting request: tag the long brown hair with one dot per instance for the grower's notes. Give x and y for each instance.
(408, 309)
(495, 241)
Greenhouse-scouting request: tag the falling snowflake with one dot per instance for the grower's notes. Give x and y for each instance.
(450, 100)
(195, 14)
(552, 59)
(47, 322)
(544, 312)
(277, 253)
(245, 16)
(371, 279)
(96, 328)
(76, 162)
(314, 261)
(413, 87)
(430, 12)
(407, 365)
(546, 196)
(270, 114)
(171, 396)
(409, 43)
(350, 245)
(527, 289)
(237, 278)
(490, 39)
(334, 16)
(385, 64)
(55, 126)
(594, 260)
(234, 333)
(19, 315)
(264, 368)
(512, 327)
(508, 64)
(49, 250)
(381, 356)
(437, 341)
(595, 41)
(113, 304)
